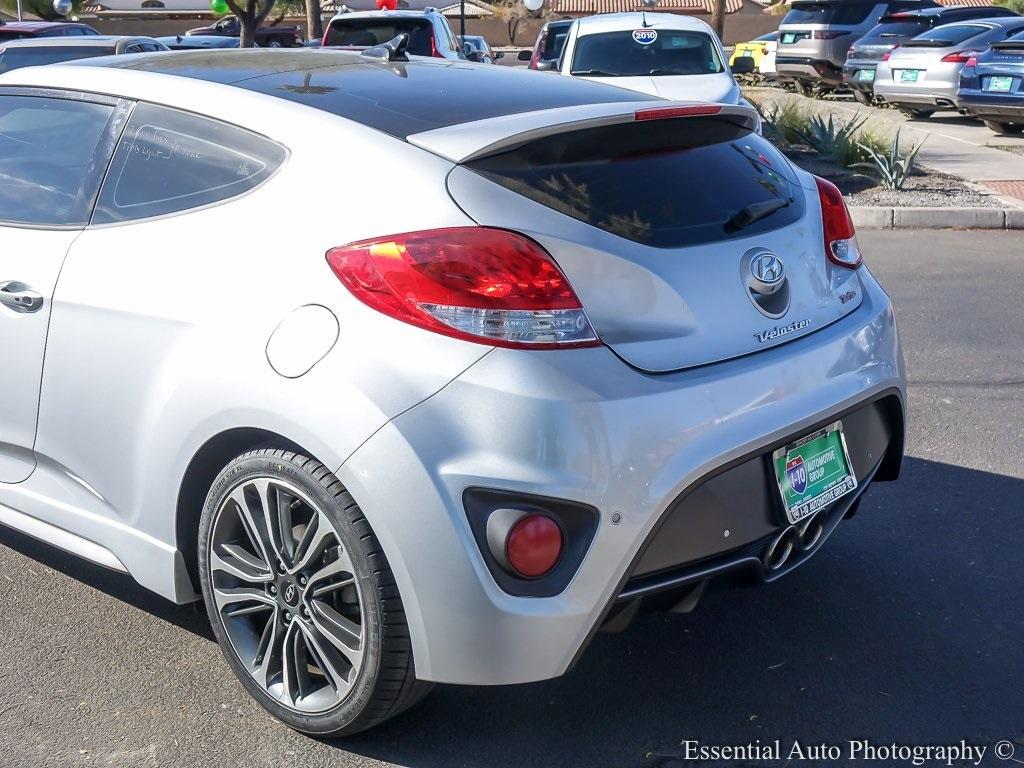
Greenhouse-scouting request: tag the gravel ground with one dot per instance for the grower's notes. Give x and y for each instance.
(923, 189)
(1017, 149)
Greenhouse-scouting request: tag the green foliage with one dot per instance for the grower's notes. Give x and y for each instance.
(1017, 6)
(789, 120)
(833, 139)
(892, 167)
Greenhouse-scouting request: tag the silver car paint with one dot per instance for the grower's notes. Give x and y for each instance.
(833, 50)
(938, 80)
(158, 345)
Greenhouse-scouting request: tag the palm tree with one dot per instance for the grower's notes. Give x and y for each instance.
(251, 14)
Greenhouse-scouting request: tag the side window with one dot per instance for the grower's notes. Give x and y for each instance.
(52, 156)
(169, 161)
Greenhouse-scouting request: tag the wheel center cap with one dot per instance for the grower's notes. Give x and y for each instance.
(291, 594)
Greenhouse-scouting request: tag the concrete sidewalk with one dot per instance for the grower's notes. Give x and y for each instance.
(952, 144)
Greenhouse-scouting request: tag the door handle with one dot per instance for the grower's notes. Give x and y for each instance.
(20, 297)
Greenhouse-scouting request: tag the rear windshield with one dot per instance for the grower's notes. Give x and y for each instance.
(828, 13)
(638, 180)
(554, 42)
(891, 30)
(16, 58)
(950, 34)
(369, 32)
(646, 52)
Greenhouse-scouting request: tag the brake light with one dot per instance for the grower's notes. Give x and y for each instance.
(665, 113)
(840, 238)
(959, 57)
(887, 54)
(820, 34)
(971, 62)
(480, 284)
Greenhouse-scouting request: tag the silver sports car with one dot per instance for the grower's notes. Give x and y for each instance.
(418, 371)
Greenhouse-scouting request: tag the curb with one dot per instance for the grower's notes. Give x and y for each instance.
(937, 218)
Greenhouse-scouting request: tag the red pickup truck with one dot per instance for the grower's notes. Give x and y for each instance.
(19, 30)
(266, 37)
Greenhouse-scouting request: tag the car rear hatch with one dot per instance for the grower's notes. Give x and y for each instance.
(657, 215)
(809, 25)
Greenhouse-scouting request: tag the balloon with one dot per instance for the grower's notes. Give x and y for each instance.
(533, 5)
(62, 7)
(219, 7)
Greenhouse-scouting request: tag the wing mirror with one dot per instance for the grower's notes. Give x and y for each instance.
(545, 65)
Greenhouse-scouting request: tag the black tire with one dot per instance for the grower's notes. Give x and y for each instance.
(860, 96)
(917, 114)
(1001, 127)
(385, 684)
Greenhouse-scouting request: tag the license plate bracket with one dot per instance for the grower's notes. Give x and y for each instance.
(813, 472)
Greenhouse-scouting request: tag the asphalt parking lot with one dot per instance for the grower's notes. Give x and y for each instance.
(908, 627)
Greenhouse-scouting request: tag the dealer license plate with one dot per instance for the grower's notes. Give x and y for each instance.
(813, 472)
(999, 84)
(909, 75)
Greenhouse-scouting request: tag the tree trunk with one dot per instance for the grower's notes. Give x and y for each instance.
(718, 19)
(314, 20)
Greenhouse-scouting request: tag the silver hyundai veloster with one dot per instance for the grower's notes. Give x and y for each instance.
(421, 370)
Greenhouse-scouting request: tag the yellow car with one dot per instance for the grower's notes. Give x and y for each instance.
(762, 50)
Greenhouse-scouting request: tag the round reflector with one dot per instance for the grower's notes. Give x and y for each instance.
(534, 545)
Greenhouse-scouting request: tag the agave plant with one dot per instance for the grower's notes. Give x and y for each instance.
(893, 167)
(830, 138)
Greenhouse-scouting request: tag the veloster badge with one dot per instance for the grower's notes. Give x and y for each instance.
(781, 330)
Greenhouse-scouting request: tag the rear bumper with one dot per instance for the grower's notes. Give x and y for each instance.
(851, 76)
(639, 450)
(804, 68)
(934, 93)
(987, 104)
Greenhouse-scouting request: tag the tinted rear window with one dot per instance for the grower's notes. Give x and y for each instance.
(661, 52)
(899, 30)
(638, 181)
(951, 34)
(16, 58)
(828, 13)
(370, 32)
(554, 42)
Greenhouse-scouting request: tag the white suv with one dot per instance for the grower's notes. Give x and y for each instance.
(428, 30)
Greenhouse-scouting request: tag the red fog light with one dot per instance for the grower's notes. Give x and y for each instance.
(534, 545)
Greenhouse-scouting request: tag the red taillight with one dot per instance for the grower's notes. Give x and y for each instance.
(887, 54)
(666, 113)
(840, 237)
(959, 57)
(537, 49)
(476, 283)
(821, 34)
(971, 62)
(534, 546)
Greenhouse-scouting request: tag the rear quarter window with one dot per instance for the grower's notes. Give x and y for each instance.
(639, 181)
(169, 161)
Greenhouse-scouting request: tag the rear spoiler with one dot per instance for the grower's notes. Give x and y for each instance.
(471, 141)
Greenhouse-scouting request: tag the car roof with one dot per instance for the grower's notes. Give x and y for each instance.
(86, 41)
(992, 23)
(616, 22)
(35, 26)
(398, 98)
(384, 14)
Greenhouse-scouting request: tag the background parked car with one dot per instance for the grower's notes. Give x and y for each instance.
(478, 49)
(923, 74)
(661, 54)
(266, 37)
(40, 51)
(816, 34)
(761, 50)
(429, 32)
(18, 30)
(992, 86)
(895, 29)
(193, 42)
(547, 49)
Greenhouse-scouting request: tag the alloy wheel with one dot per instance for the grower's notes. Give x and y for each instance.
(286, 595)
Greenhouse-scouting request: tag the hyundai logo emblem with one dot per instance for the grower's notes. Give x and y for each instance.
(290, 594)
(767, 268)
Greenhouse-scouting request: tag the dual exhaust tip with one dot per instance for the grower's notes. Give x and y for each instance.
(796, 539)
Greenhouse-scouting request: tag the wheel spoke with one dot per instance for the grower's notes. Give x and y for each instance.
(234, 560)
(226, 597)
(289, 665)
(268, 652)
(254, 525)
(313, 544)
(343, 634)
(342, 564)
(327, 659)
